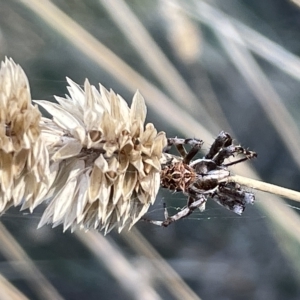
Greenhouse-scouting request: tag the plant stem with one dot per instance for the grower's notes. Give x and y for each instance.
(265, 187)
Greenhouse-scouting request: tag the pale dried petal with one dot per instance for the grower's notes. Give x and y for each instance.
(62, 118)
(97, 182)
(70, 149)
(138, 109)
(24, 159)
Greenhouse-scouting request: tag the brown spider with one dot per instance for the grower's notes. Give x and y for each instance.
(202, 178)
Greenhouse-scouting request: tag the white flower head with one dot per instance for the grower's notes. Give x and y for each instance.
(23, 155)
(108, 161)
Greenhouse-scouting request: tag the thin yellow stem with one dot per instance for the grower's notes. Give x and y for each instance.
(265, 187)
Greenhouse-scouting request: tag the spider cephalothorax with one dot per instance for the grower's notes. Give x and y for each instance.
(205, 177)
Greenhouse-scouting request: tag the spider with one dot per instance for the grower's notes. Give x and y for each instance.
(202, 178)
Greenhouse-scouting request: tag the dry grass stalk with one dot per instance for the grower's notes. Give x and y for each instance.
(265, 187)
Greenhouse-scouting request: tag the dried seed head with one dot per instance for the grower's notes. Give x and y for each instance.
(108, 161)
(23, 156)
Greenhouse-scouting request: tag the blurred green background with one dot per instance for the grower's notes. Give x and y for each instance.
(203, 67)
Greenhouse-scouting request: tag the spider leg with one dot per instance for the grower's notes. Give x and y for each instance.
(201, 200)
(191, 200)
(179, 144)
(231, 196)
(158, 223)
(223, 148)
(248, 157)
(166, 214)
(179, 141)
(240, 150)
(222, 140)
(191, 154)
(183, 213)
(223, 154)
(230, 151)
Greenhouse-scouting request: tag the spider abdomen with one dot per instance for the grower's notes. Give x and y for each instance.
(177, 177)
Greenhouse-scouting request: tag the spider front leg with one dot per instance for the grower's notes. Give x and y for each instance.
(179, 144)
(240, 150)
(222, 140)
(231, 151)
(183, 213)
(222, 148)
